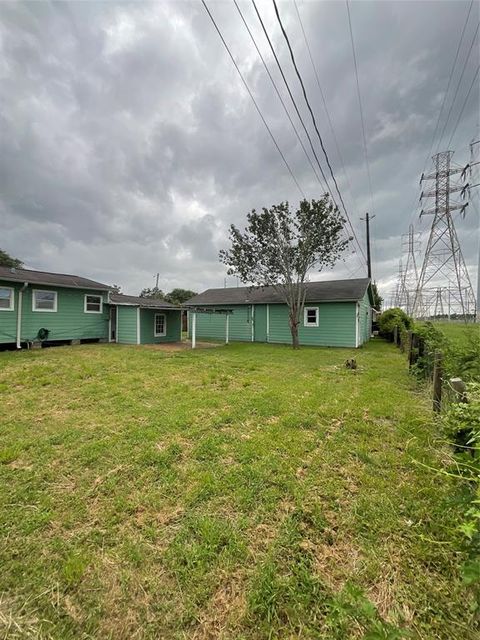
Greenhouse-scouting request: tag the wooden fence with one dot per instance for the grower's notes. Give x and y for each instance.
(414, 345)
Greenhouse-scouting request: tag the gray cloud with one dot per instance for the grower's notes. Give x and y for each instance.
(128, 143)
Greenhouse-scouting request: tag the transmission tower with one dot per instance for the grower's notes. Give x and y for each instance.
(408, 275)
(444, 286)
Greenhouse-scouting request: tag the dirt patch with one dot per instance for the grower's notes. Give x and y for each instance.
(224, 611)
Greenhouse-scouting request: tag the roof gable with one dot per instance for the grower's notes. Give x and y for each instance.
(137, 301)
(50, 279)
(324, 291)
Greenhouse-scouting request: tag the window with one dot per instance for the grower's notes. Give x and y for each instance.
(160, 326)
(93, 304)
(44, 300)
(310, 317)
(6, 299)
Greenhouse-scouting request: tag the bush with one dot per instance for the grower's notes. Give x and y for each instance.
(392, 318)
(462, 422)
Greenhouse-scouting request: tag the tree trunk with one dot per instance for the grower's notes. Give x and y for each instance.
(293, 321)
(294, 330)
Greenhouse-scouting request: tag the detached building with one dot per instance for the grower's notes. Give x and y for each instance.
(55, 308)
(337, 313)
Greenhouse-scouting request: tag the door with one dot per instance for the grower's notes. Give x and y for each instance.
(113, 324)
(260, 323)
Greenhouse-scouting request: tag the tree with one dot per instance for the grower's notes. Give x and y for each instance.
(377, 298)
(179, 296)
(116, 288)
(394, 317)
(7, 260)
(154, 292)
(279, 248)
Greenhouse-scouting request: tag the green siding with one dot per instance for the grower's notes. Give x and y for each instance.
(147, 319)
(365, 325)
(127, 325)
(8, 319)
(260, 321)
(212, 325)
(336, 326)
(69, 322)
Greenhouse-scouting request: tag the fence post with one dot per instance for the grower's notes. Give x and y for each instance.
(412, 354)
(395, 335)
(437, 381)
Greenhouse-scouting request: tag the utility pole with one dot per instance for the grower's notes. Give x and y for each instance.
(367, 219)
(156, 281)
(444, 278)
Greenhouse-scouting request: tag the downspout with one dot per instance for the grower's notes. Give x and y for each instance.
(253, 323)
(19, 315)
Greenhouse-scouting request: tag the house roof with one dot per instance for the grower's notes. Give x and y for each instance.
(47, 278)
(325, 291)
(143, 303)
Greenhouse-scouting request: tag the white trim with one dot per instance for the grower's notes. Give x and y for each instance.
(116, 326)
(253, 323)
(227, 317)
(55, 301)
(92, 295)
(164, 332)
(19, 319)
(138, 325)
(305, 316)
(357, 322)
(268, 323)
(12, 299)
(194, 330)
(181, 325)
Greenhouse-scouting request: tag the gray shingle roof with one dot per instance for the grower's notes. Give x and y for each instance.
(47, 278)
(327, 290)
(144, 303)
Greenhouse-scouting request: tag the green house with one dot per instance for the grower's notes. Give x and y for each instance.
(42, 308)
(337, 313)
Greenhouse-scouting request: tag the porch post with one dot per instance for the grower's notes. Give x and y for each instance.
(227, 317)
(194, 329)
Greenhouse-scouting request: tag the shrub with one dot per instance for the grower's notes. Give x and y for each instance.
(392, 318)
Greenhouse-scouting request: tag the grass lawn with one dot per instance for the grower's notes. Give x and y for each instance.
(458, 331)
(243, 492)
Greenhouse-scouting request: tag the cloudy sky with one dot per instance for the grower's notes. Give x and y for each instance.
(128, 143)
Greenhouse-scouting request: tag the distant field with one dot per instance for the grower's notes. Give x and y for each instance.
(244, 492)
(459, 331)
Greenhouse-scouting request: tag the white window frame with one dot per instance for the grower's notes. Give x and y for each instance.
(12, 299)
(55, 301)
(92, 295)
(305, 317)
(160, 335)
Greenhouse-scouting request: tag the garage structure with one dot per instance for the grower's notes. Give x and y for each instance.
(337, 313)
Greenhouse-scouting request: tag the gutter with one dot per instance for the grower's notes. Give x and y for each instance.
(19, 315)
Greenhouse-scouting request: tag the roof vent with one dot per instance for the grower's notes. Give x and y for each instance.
(13, 270)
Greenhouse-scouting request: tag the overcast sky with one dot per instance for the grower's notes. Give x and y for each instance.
(128, 143)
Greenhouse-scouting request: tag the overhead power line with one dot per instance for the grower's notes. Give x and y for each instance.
(448, 84)
(299, 115)
(458, 86)
(362, 119)
(252, 97)
(292, 56)
(464, 105)
(314, 67)
(427, 157)
(278, 93)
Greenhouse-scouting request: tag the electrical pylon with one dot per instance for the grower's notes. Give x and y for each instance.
(408, 275)
(444, 284)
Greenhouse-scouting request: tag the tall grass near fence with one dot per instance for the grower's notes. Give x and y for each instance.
(448, 358)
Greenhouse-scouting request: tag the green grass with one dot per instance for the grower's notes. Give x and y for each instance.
(244, 492)
(458, 331)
